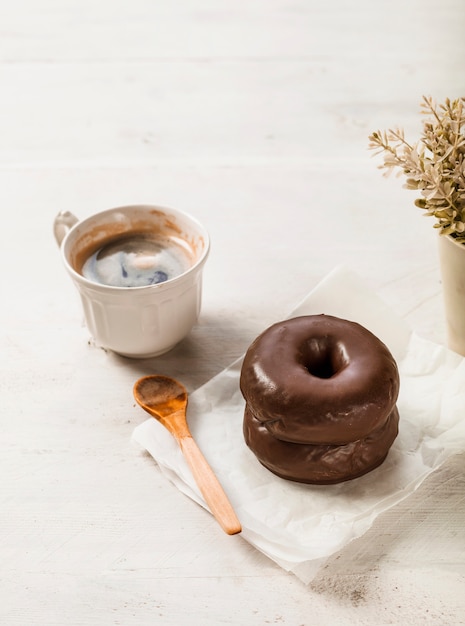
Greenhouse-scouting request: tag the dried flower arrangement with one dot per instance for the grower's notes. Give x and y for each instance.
(434, 165)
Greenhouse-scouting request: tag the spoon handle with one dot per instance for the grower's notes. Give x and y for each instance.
(210, 487)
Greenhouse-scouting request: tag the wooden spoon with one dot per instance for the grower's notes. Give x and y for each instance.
(166, 400)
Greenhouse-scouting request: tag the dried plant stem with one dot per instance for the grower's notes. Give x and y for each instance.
(435, 165)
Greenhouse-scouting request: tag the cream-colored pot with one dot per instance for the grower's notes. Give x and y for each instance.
(144, 321)
(452, 263)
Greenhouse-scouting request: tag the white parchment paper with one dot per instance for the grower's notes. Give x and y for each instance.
(300, 526)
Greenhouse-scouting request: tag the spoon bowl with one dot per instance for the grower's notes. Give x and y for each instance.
(165, 399)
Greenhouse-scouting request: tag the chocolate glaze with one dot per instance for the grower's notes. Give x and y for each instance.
(320, 464)
(319, 379)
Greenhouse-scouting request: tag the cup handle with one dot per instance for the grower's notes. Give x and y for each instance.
(62, 224)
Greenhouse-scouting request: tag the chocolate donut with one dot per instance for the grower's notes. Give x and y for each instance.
(320, 464)
(320, 397)
(319, 380)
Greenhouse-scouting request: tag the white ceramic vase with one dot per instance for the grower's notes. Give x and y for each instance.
(452, 263)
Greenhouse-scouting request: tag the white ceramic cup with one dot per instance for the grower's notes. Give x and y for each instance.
(138, 322)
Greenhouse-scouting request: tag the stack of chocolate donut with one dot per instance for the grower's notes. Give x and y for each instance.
(320, 397)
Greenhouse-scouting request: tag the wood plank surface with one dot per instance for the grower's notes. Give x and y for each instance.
(255, 117)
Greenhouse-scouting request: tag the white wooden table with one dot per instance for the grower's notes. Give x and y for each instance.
(254, 117)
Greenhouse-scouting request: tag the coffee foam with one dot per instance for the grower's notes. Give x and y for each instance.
(137, 261)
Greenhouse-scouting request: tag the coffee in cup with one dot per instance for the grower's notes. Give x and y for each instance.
(138, 270)
(137, 261)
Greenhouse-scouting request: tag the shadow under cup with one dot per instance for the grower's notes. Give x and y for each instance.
(139, 321)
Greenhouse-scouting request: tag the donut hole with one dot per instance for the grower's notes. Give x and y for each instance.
(324, 358)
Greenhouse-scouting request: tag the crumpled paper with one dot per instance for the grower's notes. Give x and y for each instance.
(299, 526)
